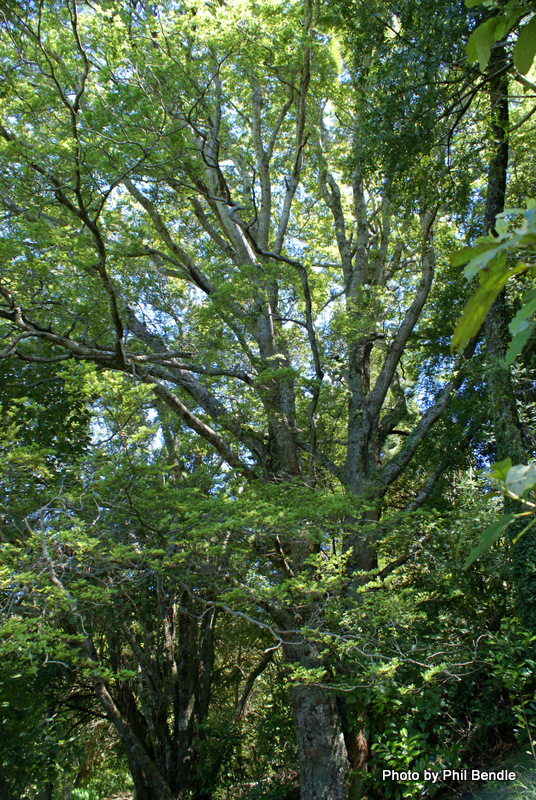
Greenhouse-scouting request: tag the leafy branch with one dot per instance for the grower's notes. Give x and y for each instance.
(497, 28)
(515, 482)
(488, 259)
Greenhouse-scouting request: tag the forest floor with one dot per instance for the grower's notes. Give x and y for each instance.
(522, 788)
(120, 797)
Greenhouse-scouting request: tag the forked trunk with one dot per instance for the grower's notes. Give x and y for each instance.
(148, 783)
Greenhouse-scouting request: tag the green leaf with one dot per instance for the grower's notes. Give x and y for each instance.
(468, 254)
(529, 296)
(521, 478)
(472, 3)
(501, 226)
(488, 536)
(493, 259)
(335, 48)
(520, 322)
(521, 328)
(525, 47)
(509, 211)
(517, 344)
(480, 43)
(499, 470)
(478, 306)
(505, 22)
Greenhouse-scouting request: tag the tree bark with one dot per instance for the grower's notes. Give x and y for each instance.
(322, 751)
(5, 791)
(148, 783)
(507, 429)
(357, 746)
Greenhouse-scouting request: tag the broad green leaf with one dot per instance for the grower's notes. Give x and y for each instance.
(501, 226)
(479, 262)
(499, 470)
(328, 22)
(525, 47)
(472, 3)
(527, 239)
(505, 22)
(480, 43)
(495, 253)
(517, 344)
(467, 254)
(521, 478)
(335, 48)
(488, 536)
(519, 322)
(478, 306)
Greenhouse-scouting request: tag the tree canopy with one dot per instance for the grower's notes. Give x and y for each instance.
(238, 454)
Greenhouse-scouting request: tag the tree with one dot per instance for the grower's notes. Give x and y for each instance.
(488, 44)
(179, 210)
(99, 585)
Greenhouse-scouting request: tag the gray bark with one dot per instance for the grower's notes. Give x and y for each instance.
(323, 756)
(507, 429)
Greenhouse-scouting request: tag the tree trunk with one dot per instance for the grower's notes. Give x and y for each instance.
(148, 783)
(5, 791)
(322, 750)
(357, 746)
(48, 789)
(506, 425)
(323, 756)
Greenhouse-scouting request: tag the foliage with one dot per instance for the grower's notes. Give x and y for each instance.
(515, 483)
(489, 259)
(497, 27)
(402, 56)
(237, 526)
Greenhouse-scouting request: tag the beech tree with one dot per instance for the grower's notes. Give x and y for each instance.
(180, 208)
